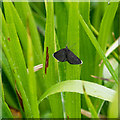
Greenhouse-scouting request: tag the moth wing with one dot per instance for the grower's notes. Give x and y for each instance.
(60, 55)
(72, 58)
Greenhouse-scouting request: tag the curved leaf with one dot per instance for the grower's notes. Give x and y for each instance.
(113, 47)
(92, 89)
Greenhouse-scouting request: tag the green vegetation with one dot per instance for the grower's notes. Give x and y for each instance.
(29, 35)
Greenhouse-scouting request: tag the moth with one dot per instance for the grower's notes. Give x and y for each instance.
(67, 55)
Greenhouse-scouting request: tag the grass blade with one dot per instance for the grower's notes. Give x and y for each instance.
(113, 47)
(23, 7)
(14, 47)
(60, 8)
(98, 48)
(90, 105)
(72, 100)
(97, 14)
(32, 80)
(87, 51)
(113, 107)
(50, 68)
(4, 111)
(104, 32)
(92, 89)
(11, 43)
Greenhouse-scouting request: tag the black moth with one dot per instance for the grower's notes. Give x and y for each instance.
(67, 55)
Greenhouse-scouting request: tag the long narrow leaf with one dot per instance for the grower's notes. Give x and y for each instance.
(50, 69)
(113, 111)
(72, 100)
(25, 13)
(11, 43)
(105, 29)
(90, 105)
(92, 89)
(113, 47)
(15, 48)
(32, 80)
(4, 109)
(98, 48)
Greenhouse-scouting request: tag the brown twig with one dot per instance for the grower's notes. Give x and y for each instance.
(37, 67)
(88, 114)
(102, 78)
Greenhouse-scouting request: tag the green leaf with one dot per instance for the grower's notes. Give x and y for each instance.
(106, 24)
(10, 95)
(39, 15)
(20, 28)
(6, 113)
(113, 107)
(9, 86)
(61, 35)
(72, 100)
(92, 89)
(98, 48)
(4, 109)
(90, 105)
(12, 48)
(111, 50)
(50, 66)
(32, 80)
(106, 73)
(40, 21)
(87, 50)
(62, 22)
(6, 66)
(97, 14)
(25, 13)
(104, 33)
(105, 29)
